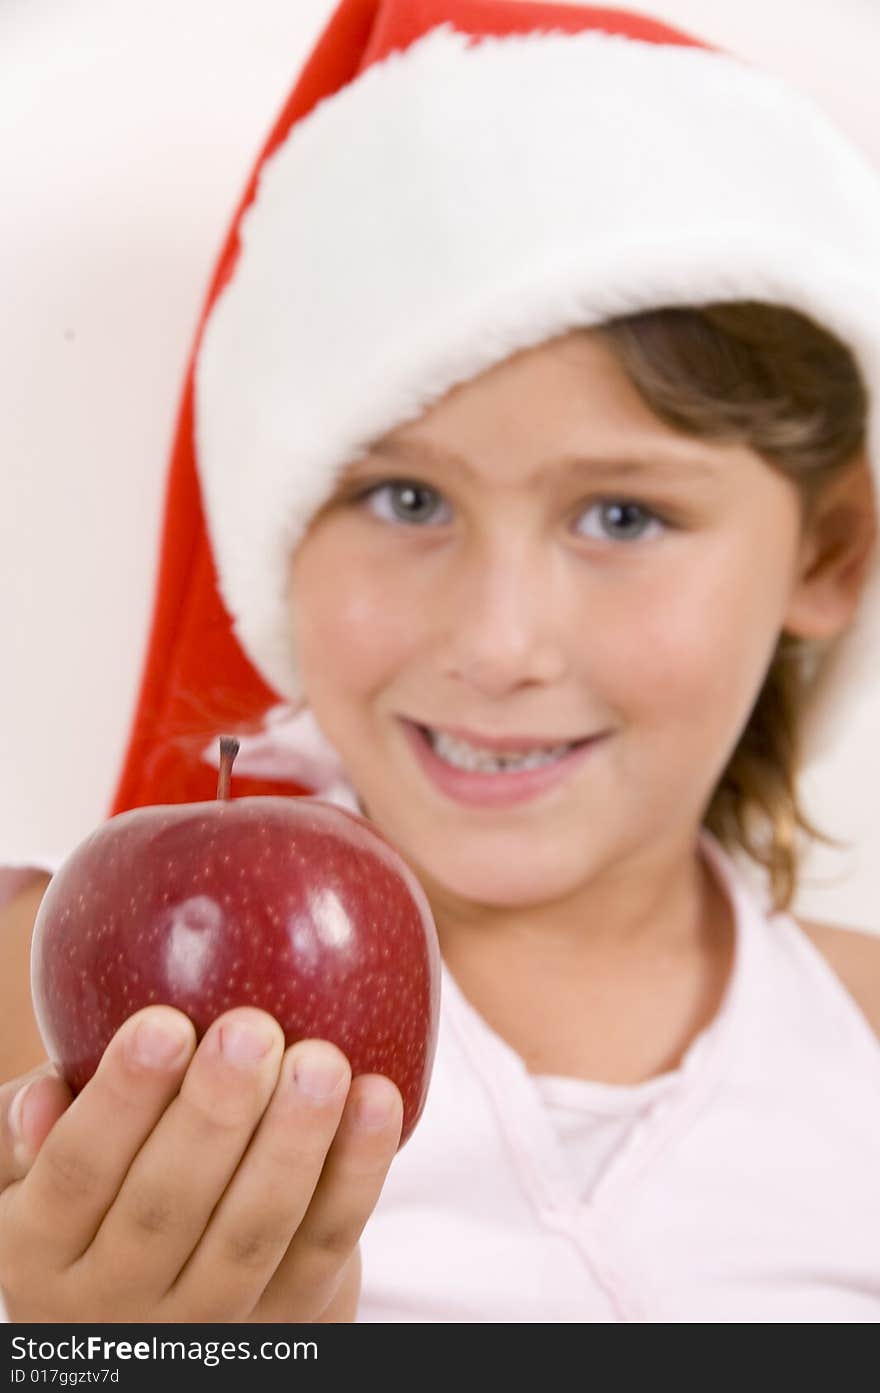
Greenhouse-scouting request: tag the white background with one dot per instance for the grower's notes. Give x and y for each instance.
(126, 134)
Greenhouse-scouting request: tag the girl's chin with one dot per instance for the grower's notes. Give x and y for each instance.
(510, 879)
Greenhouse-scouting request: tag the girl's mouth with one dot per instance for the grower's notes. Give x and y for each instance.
(482, 779)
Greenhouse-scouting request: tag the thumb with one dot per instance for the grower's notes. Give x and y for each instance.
(29, 1108)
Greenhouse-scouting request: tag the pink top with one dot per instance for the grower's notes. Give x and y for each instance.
(739, 1187)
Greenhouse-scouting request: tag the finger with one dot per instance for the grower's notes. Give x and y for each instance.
(29, 1107)
(82, 1163)
(182, 1170)
(270, 1192)
(366, 1141)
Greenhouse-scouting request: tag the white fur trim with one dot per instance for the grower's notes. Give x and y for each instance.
(459, 202)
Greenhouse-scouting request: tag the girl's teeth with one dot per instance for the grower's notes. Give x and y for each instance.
(463, 756)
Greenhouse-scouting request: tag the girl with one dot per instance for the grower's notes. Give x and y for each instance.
(532, 433)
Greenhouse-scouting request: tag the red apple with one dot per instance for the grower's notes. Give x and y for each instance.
(292, 905)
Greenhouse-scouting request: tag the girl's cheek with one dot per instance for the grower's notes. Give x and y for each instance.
(347, 598)
(703, 651)
(665, 652)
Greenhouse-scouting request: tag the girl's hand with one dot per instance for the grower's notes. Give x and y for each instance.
(228, 1182)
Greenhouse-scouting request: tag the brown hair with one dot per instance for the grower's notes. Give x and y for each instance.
(771, 379)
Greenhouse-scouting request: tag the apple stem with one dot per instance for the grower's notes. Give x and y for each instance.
(229, 748)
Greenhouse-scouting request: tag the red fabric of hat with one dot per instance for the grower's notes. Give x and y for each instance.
(197, 682)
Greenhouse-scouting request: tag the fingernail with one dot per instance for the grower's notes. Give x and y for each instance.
(318, 1073)
(243, 1043)
(16, 1115)
(157, 1044)
(375, 1106)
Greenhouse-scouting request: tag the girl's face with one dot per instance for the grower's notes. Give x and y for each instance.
(539, 555)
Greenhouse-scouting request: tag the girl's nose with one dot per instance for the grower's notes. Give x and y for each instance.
(507, 622)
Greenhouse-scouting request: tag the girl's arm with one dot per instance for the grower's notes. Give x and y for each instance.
(854, 954)
(21, 1048)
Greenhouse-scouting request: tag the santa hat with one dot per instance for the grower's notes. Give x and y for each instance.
(451, 181)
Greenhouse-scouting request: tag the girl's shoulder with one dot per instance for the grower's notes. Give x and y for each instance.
(854, 954)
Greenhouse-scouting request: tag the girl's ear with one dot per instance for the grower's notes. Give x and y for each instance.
(837, 551)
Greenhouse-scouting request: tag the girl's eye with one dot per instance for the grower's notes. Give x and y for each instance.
(622, 520)
(403, 501)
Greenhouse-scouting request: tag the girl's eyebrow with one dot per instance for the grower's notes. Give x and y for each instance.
(652, 463)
